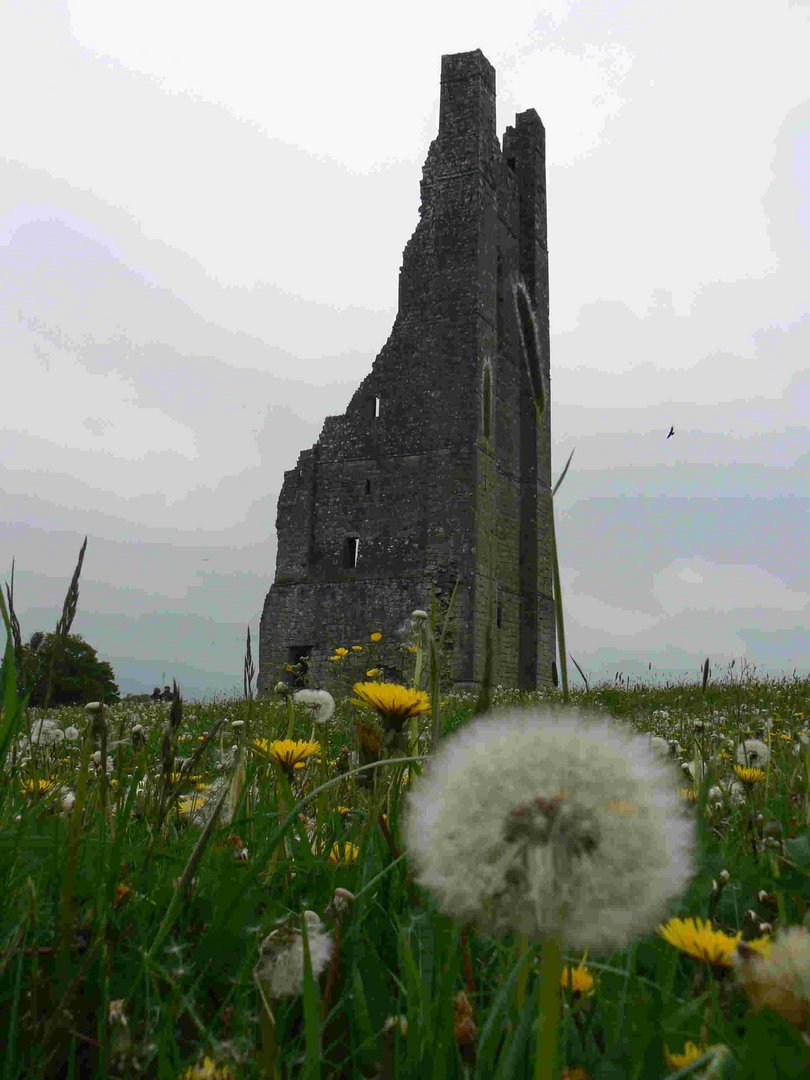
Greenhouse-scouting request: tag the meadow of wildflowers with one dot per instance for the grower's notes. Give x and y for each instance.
(332, 885)
(393, 880)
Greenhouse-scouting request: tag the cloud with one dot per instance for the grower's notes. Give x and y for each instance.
(697, 584)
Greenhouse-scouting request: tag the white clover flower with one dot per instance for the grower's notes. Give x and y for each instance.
(319, 702)
(281, 955)
(753, 753)
(541, 821)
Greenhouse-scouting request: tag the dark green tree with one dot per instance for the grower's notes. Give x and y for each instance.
(78, 675)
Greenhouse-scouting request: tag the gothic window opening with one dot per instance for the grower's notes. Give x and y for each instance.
(487, 402)
(350, 546)
(298, 657)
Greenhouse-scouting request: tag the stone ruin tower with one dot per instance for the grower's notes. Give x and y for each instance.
(440, 442)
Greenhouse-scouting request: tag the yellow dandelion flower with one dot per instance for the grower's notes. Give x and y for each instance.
(288, 751)
(747, 775)
(691, 1052)
(344, 853)
(579, 979)
(288, 667)
(334, 659)
(690, 794)
(37, 787)
(176, 777)
(357, 648)
(208, 1070)
(373, 673)
(697, 938)
(189, 804)
(411, 648)
(376, 636)
(390, 699)
(369, 738)
(341, 652)
(784, 737)
(343, 809)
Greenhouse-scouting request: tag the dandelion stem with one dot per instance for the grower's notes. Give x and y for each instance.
(548, 1030)
(523, 974)
(268, 1063)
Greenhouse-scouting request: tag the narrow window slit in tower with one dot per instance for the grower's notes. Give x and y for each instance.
(350, 547)
(487, 403)
(376, 406)
(368, 487)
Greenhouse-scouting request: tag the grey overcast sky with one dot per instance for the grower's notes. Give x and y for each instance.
(203, 208)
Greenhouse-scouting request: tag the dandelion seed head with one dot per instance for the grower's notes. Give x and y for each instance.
(281, 955)
(511, 827)
(319, 702)
(753, 753)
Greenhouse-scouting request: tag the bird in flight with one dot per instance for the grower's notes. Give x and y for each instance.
(671, 431)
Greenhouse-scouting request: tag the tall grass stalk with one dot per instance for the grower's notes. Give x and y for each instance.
(530, 347)
(64, 624)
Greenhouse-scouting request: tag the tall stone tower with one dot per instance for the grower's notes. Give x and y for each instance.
(440, 443)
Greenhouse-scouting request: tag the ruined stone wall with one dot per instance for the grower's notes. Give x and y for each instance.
(422, 484)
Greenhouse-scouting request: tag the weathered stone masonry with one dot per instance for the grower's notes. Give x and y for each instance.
(398, 495)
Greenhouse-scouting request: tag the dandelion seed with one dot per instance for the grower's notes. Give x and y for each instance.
(71, 733)
(546, 861)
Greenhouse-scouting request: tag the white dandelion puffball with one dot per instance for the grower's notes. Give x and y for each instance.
(539, 821)
(46, 733)
(319, 702)
(281, 955)
(753, 753)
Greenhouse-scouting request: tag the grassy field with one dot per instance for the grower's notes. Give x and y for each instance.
(152, 915)
(393, 881)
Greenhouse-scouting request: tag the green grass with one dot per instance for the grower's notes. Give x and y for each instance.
(181, 959)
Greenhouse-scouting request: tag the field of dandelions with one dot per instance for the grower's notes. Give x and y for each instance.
(392, 880)
(386, 881)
